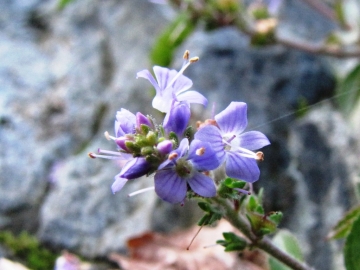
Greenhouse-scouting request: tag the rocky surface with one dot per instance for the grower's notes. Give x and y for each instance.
(63, 76)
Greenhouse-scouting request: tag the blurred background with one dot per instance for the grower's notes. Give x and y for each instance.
(67, 66)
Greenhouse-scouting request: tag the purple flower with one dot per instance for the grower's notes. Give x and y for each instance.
(184, 167)
(231, 145)
(177, 119)
(171, 85)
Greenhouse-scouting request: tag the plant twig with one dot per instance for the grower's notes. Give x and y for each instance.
(262, 243)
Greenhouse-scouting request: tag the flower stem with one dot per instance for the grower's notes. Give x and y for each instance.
(263, 243)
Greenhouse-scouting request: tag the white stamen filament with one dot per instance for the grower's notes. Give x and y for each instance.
(141, 191)
(108, 137)
(181, 71)
(101, 151)
(248, 153)
(92, 155)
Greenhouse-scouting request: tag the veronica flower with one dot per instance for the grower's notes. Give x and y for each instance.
(172, 85)
(184, 167)
(126, 125)
(231, 145)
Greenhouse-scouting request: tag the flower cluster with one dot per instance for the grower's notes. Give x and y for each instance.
(180, 158)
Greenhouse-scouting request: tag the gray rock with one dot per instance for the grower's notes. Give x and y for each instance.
(81, 214)
(323, 163)
(58, 94)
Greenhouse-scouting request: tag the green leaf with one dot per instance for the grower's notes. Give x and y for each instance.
(349, 90)
(287, 242)
(171, 38)
(343, 227)
(276, 217)
(252, 203)
(204, 206)
(352, 247)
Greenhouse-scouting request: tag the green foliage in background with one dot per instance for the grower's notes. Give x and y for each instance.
(173, 36)
(344, 226)
(63, 3)
(349, 90)
(288, 243)
(27, 248)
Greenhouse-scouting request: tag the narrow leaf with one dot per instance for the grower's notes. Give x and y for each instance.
(352, 247)
(343, 227)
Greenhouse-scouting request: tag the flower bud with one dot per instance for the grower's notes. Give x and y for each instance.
(177, 119)
(142, 120)
(165, 147)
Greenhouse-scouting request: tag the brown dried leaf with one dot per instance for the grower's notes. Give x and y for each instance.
(168, 252)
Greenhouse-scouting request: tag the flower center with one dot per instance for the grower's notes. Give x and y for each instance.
(183, 168)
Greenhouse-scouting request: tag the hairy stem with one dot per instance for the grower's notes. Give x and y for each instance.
(262, 243)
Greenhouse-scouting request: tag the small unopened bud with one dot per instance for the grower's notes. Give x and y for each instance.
(165, 147)
(194, 59)
(91, 155)
(200, 151)
(186, 55)
(259, 156)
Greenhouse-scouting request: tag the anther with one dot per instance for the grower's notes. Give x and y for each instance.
(173, 156)
(259, 156)
(91, 155)
(207, 122)
(194, 59)
(186, 55)
(200, 151)
(107, 135)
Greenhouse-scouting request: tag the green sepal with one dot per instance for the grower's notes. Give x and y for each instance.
(189, 133)
(174, 138)
(259, 209)
(134, 148)
(151, 138)
(276, 217)
(252, 203)
(147, 150)
(154, 160)
(144, 129)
